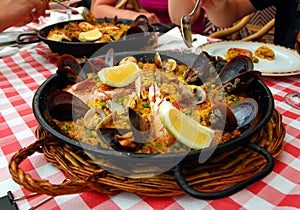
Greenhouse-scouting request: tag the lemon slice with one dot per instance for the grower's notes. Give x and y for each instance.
(57, 37)
(185, 129)
(90, 36)
(119, 76)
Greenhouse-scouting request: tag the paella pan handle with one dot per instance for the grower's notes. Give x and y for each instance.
(178, 174)
(27, 38)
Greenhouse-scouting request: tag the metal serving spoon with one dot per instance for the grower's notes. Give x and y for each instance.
(186, 24)
(85, 12)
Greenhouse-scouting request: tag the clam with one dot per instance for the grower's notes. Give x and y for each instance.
(128, 59)
(199, 94)
(93, 117)
(169, 64)
(64, 106)
(114, 106)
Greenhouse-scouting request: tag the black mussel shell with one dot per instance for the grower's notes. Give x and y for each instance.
(64, 106)
(107, 135)
(235, 67)
(69, 68)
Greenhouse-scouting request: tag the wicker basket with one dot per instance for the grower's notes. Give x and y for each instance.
(216, 174)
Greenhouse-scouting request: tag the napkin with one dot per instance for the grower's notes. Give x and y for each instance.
(172, 40)
(56, 16)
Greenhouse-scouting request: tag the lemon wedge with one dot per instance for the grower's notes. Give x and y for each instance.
(185, 129)
(57, 37)
(90, 36)
(119, 76)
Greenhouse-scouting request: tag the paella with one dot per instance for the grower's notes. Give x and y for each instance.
(152, 107)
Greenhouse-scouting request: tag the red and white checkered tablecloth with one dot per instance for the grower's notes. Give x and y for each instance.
(21, 75)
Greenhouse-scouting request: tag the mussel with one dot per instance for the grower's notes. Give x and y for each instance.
(114, 139)
(207, 69)
(140, 127)
(235, 116)
(235, 67)
(69, 68)
(244, 111)
(200, 71)
(64, 106)
(124, 139)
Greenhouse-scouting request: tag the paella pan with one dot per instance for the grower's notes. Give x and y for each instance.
(139, 160)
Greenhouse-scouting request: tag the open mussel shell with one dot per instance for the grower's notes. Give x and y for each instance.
(236, 116)
(139, 25)
(108, 136)
(241, 82)
(140, 127)
(223, 118)
(69, 68)
(201, 70)
(245, 111)
(64, 106)
(235, 67)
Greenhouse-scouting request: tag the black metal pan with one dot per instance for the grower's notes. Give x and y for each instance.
(81, 49)
(116, 161)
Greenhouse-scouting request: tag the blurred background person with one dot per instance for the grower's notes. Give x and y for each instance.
(21, 12)
(157, 11)
(223, 13)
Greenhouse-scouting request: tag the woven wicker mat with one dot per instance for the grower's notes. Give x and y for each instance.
(218, 173)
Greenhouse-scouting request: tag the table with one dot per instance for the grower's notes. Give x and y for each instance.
(20, 76)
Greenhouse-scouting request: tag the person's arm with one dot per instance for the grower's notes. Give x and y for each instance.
(223, 13)
(106, 8)
(179, 8)
(13, 12)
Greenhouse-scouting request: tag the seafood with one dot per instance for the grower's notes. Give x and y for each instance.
(106, 31)
(128, 118)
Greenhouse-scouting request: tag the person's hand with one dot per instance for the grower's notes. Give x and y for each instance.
(21, 12)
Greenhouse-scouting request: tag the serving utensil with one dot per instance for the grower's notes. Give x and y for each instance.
(186, 24)
(85, 12)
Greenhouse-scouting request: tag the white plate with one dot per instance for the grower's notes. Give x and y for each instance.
(54, 5)
(286, 62)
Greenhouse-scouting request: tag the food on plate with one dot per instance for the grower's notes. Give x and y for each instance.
(265, 52)
(232, 52)
(155, 108)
